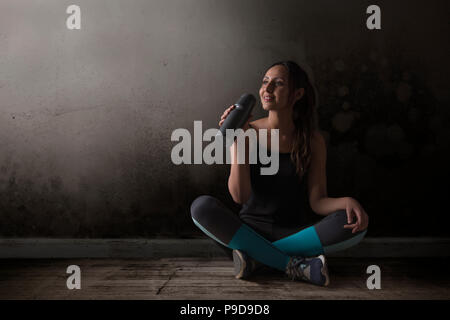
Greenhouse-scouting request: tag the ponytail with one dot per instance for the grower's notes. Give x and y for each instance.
(303, 116)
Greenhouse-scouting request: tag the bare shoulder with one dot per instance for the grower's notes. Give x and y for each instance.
(259, 123)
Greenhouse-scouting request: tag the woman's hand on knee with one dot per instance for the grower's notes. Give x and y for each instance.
(354, 209)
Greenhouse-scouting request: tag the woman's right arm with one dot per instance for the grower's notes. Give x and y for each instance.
(239, 184)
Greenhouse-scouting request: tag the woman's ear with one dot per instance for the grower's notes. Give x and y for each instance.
(299, 94)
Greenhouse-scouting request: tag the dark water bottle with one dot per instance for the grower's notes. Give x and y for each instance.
(239, 115)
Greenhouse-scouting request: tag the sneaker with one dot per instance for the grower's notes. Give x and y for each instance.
(313, 270)
(243, 264)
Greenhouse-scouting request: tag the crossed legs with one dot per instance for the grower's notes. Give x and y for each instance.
(225, 227)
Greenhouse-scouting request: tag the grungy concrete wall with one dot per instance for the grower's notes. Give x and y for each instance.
(86, 115)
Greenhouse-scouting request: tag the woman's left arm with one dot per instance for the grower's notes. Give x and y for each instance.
(317, 189)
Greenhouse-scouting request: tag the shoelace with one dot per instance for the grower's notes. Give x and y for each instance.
(295, 268)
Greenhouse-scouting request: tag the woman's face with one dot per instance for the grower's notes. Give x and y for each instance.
(274, 91)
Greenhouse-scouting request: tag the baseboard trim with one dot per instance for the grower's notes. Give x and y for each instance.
(42, 248)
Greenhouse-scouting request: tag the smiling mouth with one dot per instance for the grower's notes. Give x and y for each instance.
(266, 99)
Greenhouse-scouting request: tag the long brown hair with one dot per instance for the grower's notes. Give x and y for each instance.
(304, 116)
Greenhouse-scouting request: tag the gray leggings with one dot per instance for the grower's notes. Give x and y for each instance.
(259, 239)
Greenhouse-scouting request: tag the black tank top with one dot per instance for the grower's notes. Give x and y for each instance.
(279, 199)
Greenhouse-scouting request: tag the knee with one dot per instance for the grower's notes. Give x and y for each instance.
(341, 218)
(201, 207)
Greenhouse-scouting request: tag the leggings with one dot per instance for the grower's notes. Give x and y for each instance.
(270, 244)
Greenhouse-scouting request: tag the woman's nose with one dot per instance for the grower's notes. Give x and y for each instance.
(269, 87)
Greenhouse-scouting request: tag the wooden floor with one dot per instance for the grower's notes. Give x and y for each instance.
(211, 279)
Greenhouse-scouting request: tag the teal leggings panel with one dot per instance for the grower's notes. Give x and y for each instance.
(259, 248)
(303, 243)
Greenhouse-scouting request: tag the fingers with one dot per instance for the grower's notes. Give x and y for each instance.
(353, 208)
(226, 113)
(361, 223)
(349, 214)
(228, 110)
(354, 227)
(363, 219)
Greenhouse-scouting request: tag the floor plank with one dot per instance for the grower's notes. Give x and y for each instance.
(212, 278)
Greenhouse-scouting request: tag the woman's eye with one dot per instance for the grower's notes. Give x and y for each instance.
(278, 83)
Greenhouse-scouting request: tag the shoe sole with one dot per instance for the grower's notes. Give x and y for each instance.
(324, 270)
(239, 264)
